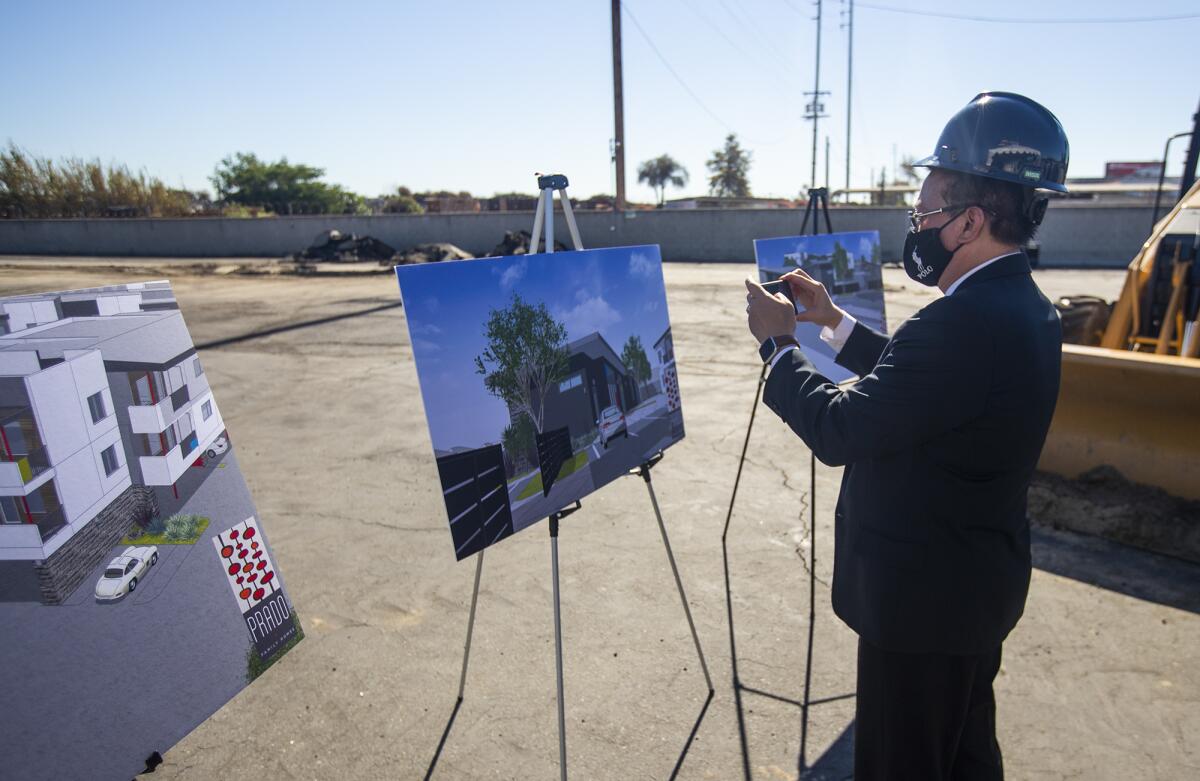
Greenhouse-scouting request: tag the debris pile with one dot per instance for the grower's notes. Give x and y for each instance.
(335, 246)
(431, 253)
(1102, 502)
(517, 243)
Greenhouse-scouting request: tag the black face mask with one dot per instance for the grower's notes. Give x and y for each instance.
(925, 259)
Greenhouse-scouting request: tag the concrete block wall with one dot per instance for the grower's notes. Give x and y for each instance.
(1073, 234)
(59, 575)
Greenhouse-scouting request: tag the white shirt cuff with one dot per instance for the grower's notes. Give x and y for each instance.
(782, 353)
(836, 337)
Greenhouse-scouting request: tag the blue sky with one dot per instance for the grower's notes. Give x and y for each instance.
(618, 292)
(479, 95)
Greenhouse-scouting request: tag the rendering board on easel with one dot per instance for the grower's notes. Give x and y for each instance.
(137, 589)
(544, 377)
(848, 265)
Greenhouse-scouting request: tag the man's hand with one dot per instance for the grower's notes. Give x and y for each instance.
(769, 315)
(812, 295)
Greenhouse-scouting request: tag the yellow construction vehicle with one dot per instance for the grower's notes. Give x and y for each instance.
(1130, 394)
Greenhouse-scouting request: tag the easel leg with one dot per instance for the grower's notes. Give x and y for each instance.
(558, 657)
(645, 473)
(462, 681)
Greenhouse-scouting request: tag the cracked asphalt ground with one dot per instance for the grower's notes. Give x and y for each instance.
(1098, 682)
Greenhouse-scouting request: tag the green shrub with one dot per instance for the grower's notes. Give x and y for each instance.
(155, 525)
(182, 527)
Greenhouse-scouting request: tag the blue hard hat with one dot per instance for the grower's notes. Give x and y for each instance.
(1005, 136)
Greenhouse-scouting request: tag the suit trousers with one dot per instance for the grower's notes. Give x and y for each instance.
(926, 717)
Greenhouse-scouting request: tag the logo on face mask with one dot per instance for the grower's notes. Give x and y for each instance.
(922, 270)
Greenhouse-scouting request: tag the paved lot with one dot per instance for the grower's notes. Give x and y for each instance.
(1099, 680)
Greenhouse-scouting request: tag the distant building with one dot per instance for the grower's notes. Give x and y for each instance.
(720, 202)
(515, 202)
(103, 407)
(445, 204)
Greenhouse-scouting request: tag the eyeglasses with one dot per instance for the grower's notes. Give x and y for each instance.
(917, 217)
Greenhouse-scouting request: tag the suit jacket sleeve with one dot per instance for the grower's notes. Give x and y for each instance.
(933, 376)
(862, 349)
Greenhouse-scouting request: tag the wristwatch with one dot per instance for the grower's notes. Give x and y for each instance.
(773, 344)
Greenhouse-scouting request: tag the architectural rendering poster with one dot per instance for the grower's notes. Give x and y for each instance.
(544, 377)
(847, 264)
(119, 493)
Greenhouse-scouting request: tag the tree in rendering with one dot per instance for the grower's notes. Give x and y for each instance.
(518, 439)
(662, 171)
(841, 261)
(525, 356)
(633, 355)
(730, 169)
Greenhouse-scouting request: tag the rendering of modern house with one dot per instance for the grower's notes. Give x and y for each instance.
(104, 406)
(596, 379)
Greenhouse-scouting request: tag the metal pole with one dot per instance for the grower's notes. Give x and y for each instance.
(549, 220)
(849, 86)
(539, 213)
(816, 97)
(462, 681)
(645, 472)
(826, 163)
(1162, 171)
(618, 107)
(558, 658)
(569, 214)
(1193, 157)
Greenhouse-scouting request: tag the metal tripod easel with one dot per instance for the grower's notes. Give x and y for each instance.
(818, 205)
(544, 216)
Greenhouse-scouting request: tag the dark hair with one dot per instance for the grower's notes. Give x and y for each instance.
(1003, 201)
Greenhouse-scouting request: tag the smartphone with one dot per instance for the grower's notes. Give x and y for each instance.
(781, 286)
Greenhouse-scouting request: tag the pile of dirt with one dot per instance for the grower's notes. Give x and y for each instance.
(431, 253)
(335, 246)
(517, 243)
(1102, 502)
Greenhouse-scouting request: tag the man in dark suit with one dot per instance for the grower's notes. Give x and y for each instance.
(939, 438)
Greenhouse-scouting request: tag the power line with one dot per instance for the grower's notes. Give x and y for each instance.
(625, 7)
(760, 38)
(776, 68)
(1026, 20)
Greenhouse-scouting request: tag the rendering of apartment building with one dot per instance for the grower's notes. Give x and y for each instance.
(664, 346)
(104, 407)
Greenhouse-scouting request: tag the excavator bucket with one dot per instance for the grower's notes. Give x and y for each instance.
(1133, 402)
(1137, 412)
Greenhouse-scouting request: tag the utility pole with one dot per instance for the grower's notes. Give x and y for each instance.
(813, 110)
(826, 163)
(618, 109)
(849, 87)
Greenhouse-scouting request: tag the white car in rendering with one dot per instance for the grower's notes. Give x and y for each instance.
(123, 573)
(219, 446)
(612, 424)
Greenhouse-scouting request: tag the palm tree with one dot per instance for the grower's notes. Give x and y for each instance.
(660, 172)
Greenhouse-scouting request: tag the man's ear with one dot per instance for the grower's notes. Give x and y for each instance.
(973, 224)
